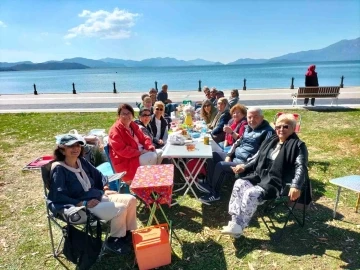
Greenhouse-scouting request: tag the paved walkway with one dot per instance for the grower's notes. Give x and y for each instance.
(97, 102)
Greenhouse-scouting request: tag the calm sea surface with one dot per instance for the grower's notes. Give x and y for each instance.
(178, 78)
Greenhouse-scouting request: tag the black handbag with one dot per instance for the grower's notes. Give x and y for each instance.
(82, 247)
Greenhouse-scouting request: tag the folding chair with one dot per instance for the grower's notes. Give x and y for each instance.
(38, 163)
(60, 222)
(119, 185)
(297, 118)
(283, 201)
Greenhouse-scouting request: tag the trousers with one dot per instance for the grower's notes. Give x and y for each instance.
(218, 171)
(244, 200)
(120, 209)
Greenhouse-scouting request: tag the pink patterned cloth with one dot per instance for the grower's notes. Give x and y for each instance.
(154, 178)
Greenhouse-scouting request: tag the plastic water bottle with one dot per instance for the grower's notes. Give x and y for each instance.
(203, 129)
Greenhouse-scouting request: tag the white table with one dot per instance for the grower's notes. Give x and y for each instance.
(178, 154)
(351, 182)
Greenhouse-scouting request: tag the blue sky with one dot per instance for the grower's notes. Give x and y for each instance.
(216, 30)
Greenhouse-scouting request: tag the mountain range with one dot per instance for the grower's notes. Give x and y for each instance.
(344, 50)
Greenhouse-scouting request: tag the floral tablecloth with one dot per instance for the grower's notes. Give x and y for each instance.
(154, 179)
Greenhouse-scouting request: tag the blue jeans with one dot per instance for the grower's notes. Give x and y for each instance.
(218, 170)
(226, 148)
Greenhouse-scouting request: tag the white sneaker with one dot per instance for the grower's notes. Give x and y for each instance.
(232, 229)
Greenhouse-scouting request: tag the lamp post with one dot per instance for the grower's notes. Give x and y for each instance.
(292, 83)
(342, 82)
(199, 89)
(114, 90)
(244, 87)
(74, 91)
(35, 91)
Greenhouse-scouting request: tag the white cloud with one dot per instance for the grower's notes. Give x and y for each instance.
(67, 43)
(104, 24)
(2, 24)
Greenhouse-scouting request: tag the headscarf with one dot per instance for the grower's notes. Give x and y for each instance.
(311, 71)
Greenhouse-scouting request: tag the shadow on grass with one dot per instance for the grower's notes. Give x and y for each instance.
(330, 109)
(317, 237)
(207, 254)
(322, 165)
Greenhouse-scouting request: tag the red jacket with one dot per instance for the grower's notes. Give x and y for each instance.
(124, 151)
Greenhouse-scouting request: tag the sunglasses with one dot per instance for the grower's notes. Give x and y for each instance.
(282, 126)
(146, 115)
(75, 145)
(159, 109)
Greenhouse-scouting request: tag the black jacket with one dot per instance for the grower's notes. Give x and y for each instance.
(152, 124)
(289, 167)
(311, 80)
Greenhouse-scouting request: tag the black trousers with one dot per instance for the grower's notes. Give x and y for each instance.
(306, 101)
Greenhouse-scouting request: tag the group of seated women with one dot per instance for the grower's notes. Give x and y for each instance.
(280, 161)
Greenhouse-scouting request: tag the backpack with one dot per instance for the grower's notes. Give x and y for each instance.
(82, 247)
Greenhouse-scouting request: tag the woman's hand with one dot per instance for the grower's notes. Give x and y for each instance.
(161, 142)
(294, 193)
(227, 129)
(228, 159)
(238, 168)
(109, 192)
(92, 203)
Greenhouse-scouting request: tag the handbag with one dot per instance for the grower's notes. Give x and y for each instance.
(176, 139)
(82, 247)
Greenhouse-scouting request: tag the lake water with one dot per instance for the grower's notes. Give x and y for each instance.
(258, 76)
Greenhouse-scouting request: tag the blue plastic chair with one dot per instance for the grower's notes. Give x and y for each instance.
(107, 169)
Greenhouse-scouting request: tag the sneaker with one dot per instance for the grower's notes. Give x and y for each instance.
(118, 245)
(204, 187)
(232, 229)
(209, 198)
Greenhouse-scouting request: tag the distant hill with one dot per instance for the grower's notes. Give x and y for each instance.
(48, 66)
(344, 50)
(7, 65)
(91, 63)
(243, 61)
(202, 62)
(121, 62)
(159, 62)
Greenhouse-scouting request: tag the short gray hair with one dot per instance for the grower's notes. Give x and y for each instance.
(287, 118)
(255, 109)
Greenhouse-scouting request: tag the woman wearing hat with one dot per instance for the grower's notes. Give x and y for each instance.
(74, 181)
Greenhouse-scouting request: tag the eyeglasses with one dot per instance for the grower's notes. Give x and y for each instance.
(282, 126)
(74, 145)
(146, 115)
(125, 114)
(159, 109)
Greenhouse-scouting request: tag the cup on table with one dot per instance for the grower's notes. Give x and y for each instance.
(190, 147)
(206, 140)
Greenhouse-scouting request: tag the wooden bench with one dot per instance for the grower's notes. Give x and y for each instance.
(317, 92)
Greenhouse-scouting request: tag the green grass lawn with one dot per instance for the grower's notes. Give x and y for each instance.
(333, 141)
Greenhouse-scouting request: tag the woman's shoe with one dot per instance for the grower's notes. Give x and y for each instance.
(118, 245)
(232, 229)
